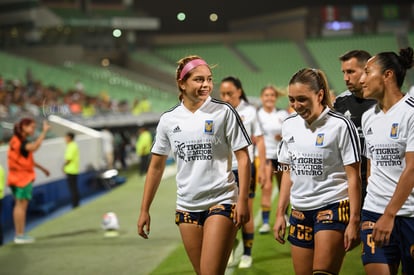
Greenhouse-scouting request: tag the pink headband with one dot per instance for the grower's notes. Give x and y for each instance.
(191, 65)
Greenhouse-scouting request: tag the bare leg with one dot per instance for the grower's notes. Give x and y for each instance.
(248, 230)
(19, 216)
(218, 239)
(302, 260)
(192, 236)
(329, 251)
(381, 269)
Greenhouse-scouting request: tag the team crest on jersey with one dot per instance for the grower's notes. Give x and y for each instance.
(394, 130)
(208, 127)
(319, 139)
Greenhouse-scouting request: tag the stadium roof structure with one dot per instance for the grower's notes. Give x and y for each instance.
(197, 12)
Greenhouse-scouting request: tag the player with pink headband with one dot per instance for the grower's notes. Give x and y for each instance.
(191, 65)
(202, 133)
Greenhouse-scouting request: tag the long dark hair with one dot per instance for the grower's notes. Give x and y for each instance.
(399, 64)
(18, 127)
(237, 83)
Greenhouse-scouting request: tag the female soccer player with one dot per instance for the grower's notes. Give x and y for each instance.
(271, 120)
(202, 133)
(388, 213)
(231, 91)
(321, 152)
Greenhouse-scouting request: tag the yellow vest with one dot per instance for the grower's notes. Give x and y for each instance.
(72, 154)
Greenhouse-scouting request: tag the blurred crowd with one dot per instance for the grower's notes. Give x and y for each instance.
(33, 98)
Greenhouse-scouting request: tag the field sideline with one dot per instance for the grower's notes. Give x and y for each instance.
(74, 243)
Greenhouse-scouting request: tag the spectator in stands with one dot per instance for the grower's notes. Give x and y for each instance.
(143, 149)
(136, 110)
(88, 108)
(71, 167)
(271, 120)
(21, 174)
(141, 106)
(320, 156)
(2, 186)
(108, 147)
(145, 105)
(202, 133)
(351, 102)
(231, 91)
(387, 229)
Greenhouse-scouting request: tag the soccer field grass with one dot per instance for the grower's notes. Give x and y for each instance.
(74, 243)
(269, 257)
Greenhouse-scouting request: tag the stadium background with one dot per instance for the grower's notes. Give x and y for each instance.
(125, 52)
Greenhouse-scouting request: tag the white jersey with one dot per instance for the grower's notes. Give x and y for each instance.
(317, 154)
(248, 115)
(202, 143)
(272, 125)
(388, 136)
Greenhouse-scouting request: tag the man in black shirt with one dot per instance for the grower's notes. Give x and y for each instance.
(351, 103)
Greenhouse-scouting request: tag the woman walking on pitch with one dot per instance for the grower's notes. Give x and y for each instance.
(320, 152)
(231, 91)
(202, 133)
(271, 120)
(388, 213)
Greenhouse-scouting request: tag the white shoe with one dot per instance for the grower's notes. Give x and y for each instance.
(264, 229)
(23, 239)
(245, 261)
(231, 258)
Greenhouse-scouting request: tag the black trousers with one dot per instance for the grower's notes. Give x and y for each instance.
(143, 166)
(73, 189)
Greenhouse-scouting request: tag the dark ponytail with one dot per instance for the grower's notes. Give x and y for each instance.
(399, 64)
(237, 83)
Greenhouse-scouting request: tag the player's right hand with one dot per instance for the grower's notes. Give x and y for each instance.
(279, 229)
(143, 225)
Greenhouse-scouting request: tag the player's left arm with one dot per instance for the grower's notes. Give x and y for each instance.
(244, 165)
(351, 237)
(383, 227)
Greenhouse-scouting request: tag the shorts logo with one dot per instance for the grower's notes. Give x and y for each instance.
(394, 130)
(319, 139)
(216, 208)
(298, 215)
(325, 216)
(208, 127)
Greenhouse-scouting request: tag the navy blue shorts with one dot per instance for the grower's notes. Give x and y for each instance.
(275, 164)
(304, 224)
(199, 218)
(400, 247)
(252, 186)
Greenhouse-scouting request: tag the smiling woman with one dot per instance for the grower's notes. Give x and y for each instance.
(201, 132)
(322, 182)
